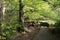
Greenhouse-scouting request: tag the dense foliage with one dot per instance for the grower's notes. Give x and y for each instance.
(33, 9)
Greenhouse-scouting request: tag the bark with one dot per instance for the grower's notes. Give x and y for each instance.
(21, 18)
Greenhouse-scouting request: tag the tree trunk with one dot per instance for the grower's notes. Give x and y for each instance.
(21, 18)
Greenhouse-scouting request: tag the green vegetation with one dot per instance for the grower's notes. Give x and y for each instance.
(17, 12)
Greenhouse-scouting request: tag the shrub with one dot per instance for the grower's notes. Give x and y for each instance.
(57, 28)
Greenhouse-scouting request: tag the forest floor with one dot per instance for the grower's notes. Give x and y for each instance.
(26, 36)
(42, 34)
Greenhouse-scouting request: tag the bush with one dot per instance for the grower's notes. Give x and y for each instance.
(57, 24)
(57, 28)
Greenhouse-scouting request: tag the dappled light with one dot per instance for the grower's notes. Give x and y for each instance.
(29, 19)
